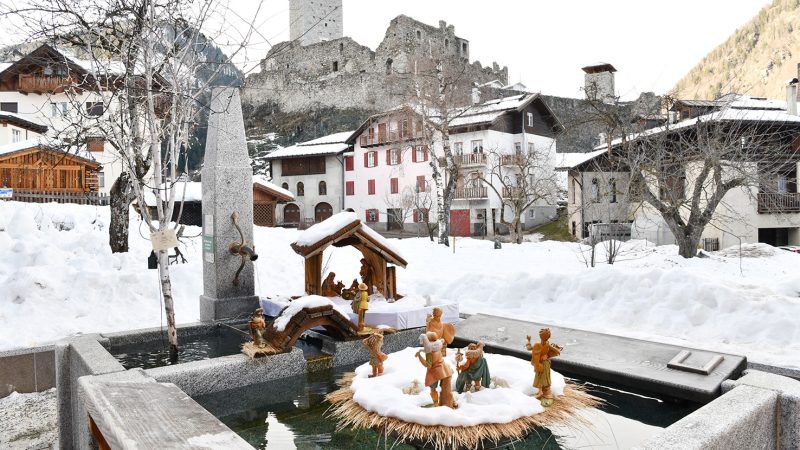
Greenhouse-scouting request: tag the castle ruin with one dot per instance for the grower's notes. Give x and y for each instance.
(320, 68)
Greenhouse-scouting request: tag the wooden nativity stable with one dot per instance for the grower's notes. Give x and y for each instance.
(345, 229)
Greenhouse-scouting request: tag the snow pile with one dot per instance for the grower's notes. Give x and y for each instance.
(297, 305)
(317, 232)
(384, 395)
(29, 420)
(748, 251)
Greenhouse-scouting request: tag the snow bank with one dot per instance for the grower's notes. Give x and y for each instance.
(383, 395)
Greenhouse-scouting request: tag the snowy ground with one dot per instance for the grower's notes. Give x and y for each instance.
(70, 282)
(29, 421)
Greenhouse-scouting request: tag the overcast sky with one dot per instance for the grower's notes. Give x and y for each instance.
(545, 43)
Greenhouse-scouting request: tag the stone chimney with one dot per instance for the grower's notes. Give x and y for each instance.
(791, 96)
(599, 82)
(476, 95)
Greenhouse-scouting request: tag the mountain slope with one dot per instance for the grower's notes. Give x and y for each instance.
(756, 60)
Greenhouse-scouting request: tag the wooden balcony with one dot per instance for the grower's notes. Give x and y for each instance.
(472, 193)
(41, 85)
(512, 160)
(513, 192)
(775, 203)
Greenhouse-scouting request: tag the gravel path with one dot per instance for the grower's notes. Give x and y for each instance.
(29, 421)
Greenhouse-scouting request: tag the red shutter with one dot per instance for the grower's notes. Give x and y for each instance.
(350, 188)
(348, 163)
(366, 215)
(395, 186)
(399, 156)
(416, 216)
(425, 151)
(366, 160)
(388, 157)
(421, 183)
(371, 187)
(413, 154)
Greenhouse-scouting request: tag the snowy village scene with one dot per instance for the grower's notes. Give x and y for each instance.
(439, 225)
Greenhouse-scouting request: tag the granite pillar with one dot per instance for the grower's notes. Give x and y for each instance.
(227, 188)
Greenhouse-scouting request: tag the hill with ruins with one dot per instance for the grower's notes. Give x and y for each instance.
(322, 82)
(755, 60)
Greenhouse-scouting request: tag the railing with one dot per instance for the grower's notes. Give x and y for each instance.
(472, 193)
(33, 83)
(511, 160)
(386, 138)
(778, 202)
(466, 159)
(513, 192)
(80, 198)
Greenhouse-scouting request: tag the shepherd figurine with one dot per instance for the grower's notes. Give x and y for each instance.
(438, 373)
(446, 331)
(475, 372)
(363, 304)
(257, 328)
(376, 357)
(541, 353)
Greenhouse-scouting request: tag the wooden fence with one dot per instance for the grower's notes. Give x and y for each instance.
(80, 198)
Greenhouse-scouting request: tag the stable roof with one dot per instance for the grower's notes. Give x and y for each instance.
(332, 144)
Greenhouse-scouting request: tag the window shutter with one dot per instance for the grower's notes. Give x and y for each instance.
(416, 215)
(388, 157)
(348, 163)
(366, 215)
(399, 156)
(366, 159)
(425, 151)
(413, 154)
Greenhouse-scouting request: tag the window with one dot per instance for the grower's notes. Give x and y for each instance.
(94, 109)
(393, 157)
(394, 184)
(101, 179)
(372, 215)
(285, 186)
(323, 188)
(574, 190)
(477, 146)
(9, 107)
(370, 159)
(530, 119)
(336, 66)
(419, 128)
(419, 34)
(348, 163)
(464, 48)
(458, 147)
(446, 43)
(341, 47)
(612, 187)
(16, 135)
(420, 215)
(389, 66)
(60, 109)
(301, 190)
(314, 165)
(595, 190)
(421, 183)
(530, 148)
(370, 187)
(404, 131)
(350, 188)
(783, 184)
(518, 148)
(420, 153)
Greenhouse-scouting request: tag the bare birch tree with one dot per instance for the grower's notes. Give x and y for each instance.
(145, 57)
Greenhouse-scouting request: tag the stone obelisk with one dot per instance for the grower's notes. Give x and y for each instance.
(227, 188)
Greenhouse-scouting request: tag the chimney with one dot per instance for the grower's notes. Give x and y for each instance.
(476, 95)
(791, 97)
(599, 82)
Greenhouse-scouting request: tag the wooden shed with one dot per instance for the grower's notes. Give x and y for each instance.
(31, 166)
(266, 196)
(345, 229)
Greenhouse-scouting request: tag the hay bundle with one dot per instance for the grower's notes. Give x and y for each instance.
(352, 415)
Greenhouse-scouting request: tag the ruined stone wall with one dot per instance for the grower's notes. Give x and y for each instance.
(341, 73)
(313, 21)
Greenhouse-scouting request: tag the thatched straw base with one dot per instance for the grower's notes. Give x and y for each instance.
(252, 351)
(563, 412)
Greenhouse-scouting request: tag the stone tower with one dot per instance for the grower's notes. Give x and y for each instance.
(313, 21)
(599, 82)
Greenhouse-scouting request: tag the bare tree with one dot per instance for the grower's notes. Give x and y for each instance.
(423, 201)
(402, 205)
(145, 58)
(521, 181)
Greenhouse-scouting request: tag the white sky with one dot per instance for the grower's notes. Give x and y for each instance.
(545, 43)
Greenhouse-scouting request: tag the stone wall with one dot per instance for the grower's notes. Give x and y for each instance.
(341, 73)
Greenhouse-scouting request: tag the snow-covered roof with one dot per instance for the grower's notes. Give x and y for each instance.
(489, 111)
(23, 121)
(262, 181)
(741, 109)
(332, 144)
(566, 161)
(341, 226)
(44, 142)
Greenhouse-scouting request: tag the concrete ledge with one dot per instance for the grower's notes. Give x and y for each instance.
(145, 335)
(788, 390)
(744, 418)
(352, 352)
(228, 372)
(27, 370)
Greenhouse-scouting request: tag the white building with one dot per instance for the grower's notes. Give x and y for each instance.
(33, 91)
(389, 178)
(769, 213)
(313, 172)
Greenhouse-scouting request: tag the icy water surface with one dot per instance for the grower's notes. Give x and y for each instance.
(290, 413)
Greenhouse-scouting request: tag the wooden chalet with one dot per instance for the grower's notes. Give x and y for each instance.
(43, 71)
(38, 167)
(345, 229)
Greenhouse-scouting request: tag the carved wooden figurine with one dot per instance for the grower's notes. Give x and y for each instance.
(541, 353)
(376, 357)
(331, 287)
(257, 328)
(438, 374)
(445, 331)
(363, 304)
(475, 372)
(366, 274)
